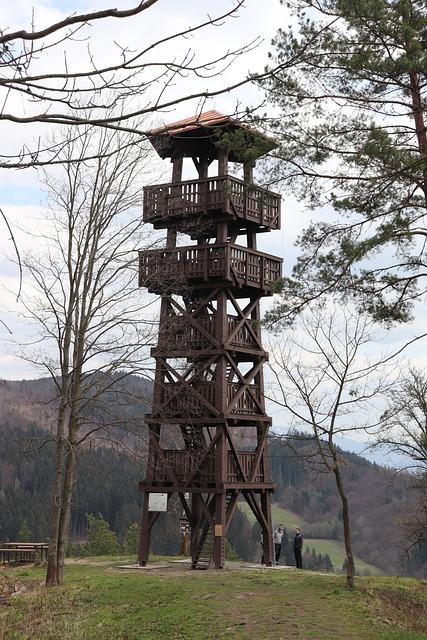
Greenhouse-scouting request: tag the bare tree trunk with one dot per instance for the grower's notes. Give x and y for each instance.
(66, 509)
(52, 573)
(346, 526)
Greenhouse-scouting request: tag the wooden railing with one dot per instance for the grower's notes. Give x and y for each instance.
(247, 460)
(179, 334)
(246, 401)
(186, 464)
(178, 401)
(243, 337)
(200, 197)
(174, 269)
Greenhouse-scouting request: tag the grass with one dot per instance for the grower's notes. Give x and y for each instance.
(279, 515)
(100, 602)
(333, 548)
(336, 552)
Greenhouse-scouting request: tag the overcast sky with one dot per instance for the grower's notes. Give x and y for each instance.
(20, 193)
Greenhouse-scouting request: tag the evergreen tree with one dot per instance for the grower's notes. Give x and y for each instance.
(351, 122)
(131, 539)
(240, 537)
(24, 533)
(101, 540)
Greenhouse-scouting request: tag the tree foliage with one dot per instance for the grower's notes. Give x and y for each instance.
(101, 540)
(24, 533)
(351, 125)
(131, 539)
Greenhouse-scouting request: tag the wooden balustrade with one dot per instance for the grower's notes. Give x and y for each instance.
(177, 401)
(195, 266)
(179, 334)
(185, 464)
(245, 403)
(220, 194)
(247, 460)
(243, 337)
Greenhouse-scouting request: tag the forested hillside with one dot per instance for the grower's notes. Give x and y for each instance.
(377, 496)
(107, 483)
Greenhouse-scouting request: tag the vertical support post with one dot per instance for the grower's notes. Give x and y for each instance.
(248, 171)
(222, 162)
(248, 178)
(220, 515)
(144, 540)
(203, 187)
(195, 526)
(176, 170)
(267, 534)
(145, 526)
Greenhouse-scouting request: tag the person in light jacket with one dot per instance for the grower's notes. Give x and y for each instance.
(277, 540)
(298, 542)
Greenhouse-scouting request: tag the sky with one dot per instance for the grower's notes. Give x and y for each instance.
(21, 194)
(22, 197)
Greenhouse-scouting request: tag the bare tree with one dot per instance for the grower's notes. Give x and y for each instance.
(142, 81)
(404, 423)
(403, 430)
(330, 387)
(93, 324)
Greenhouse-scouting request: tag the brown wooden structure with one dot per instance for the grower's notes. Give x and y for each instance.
(209, 386)
(23, 552)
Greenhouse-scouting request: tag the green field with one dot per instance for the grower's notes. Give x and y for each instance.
(98, 601)
(333, 548)
(279, 515)
(336, 552)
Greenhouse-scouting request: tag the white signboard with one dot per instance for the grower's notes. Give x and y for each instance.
(158, 502)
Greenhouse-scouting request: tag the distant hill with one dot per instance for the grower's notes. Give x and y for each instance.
(107, 481)
(120, 408)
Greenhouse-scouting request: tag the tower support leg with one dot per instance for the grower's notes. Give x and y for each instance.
(267, 536)
(220, 530)
(145, 534)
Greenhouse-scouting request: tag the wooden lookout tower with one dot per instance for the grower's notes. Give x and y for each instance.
(208, 426)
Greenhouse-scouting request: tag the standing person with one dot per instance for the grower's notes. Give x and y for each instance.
(277, 540)
(298, 542)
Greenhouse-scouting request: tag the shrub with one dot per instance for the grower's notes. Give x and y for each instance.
(101, 540)
(131, 539)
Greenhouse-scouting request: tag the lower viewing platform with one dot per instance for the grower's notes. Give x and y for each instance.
(200, 266)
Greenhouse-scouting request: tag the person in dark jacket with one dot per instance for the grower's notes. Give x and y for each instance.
(298, 542)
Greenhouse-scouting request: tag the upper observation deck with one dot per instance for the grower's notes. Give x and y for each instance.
(195, 205)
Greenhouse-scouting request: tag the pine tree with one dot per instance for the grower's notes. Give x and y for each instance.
(24, 533)
(351, 122)
(101, 540)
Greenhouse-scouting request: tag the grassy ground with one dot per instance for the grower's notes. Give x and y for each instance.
(333, 548)
(100, 602)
